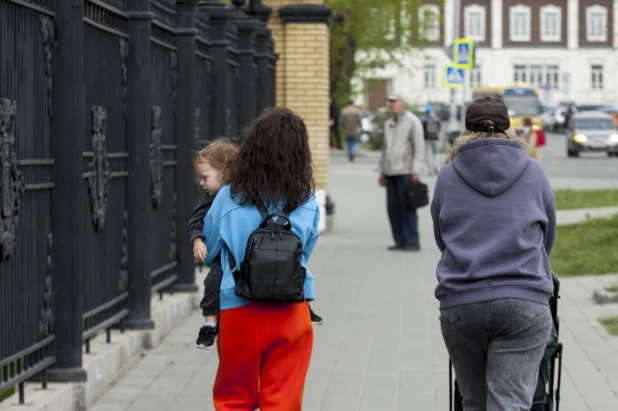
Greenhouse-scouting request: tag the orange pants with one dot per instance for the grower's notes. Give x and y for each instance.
(265, 345)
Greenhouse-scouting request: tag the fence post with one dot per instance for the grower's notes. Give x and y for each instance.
(248, 69)
(185, 130)
(272, 73)
(139, 97)
(219, 15)
(69, 99)
(262, 56)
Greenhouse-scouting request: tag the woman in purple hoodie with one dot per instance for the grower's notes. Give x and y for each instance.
(494, 217)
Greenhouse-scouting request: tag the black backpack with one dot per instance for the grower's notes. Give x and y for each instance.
(432, 131)
(272, 270)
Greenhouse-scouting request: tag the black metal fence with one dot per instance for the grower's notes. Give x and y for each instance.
(102, 105)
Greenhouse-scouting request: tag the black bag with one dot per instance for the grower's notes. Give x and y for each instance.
(415, 195)
(272, 270)
(432, 131)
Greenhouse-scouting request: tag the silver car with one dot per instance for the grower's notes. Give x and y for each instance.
(591, 131)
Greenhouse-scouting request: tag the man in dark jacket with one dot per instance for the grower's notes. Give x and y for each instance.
(333, 122)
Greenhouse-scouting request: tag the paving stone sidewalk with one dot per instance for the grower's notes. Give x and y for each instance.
(380, 346)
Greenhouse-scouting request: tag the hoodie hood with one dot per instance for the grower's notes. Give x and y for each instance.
(491, 165)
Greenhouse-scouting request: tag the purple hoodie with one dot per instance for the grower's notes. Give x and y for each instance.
(494, 218)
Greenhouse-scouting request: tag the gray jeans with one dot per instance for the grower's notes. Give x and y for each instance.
(496, 348)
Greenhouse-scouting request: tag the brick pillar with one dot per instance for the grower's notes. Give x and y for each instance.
(275, 24)
(301, 37)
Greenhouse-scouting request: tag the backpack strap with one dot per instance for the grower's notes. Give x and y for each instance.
(283, 220)
(232, 261)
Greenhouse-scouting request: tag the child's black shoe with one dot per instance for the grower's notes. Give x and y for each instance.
(315, 319)
(206, 338)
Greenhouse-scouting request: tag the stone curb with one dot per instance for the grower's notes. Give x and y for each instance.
(580, 215)
(603, 296)
(107, 363)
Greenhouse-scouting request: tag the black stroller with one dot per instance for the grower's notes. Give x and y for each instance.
(547, 395)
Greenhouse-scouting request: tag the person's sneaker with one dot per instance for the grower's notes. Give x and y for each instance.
(411, 248)
(315, 319)
(206, 338)
(396, 247)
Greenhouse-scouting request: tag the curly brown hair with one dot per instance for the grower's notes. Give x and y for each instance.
(220, 153)
(274, 162)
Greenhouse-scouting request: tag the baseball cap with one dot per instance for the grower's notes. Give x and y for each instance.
(488, 108)
(394, 97)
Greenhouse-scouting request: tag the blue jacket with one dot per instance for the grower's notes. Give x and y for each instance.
(227, 227)
(494, 216)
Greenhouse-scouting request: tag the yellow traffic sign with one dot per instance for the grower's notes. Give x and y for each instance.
(463, 53)
(453, 77)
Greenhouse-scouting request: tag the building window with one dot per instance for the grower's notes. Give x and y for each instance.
(597, 77)
(474, 22)
(520, 23)
(551, 19)
(520, 73)
(476, 79)
(430, 76)
(552, 75)
(429, 19)
(596, 23)
(536, 75)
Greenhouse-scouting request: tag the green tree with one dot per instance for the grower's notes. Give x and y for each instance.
(367, 34)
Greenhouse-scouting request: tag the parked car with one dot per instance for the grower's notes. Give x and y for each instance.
(366, 126)
(554, 119)
(588, 107)
(545, 107)
(591, 131)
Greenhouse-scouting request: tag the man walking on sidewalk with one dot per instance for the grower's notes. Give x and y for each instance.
(350, 120)
(403, 158)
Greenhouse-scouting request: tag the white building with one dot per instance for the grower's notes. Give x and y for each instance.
(569, 47)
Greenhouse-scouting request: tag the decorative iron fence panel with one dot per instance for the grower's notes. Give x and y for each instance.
(203, 79)
(271, 78)
(163, 153)
(233, 86)
(119, 4)
(105, 168)
(71, 143)
(26, 191)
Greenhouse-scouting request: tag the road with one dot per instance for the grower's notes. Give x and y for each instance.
(587, 166)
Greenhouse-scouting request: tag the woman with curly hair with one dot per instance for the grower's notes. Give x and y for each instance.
(264, 348)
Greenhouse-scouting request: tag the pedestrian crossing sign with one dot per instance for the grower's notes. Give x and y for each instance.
(453, 76)
(464, 53)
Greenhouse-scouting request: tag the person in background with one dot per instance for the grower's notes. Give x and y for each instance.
(568, 115)
(333, 122)
(402, 163)
(494, 219)
(531, 139)
(351, 121)
(432, 127)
